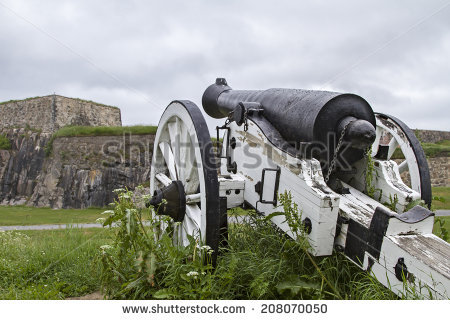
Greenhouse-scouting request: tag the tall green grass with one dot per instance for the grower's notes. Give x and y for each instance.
(259, 262)
(50, 264)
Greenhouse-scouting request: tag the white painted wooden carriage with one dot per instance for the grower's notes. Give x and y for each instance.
(398, 246)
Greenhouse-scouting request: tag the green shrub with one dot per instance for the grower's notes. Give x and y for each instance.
(5, 144)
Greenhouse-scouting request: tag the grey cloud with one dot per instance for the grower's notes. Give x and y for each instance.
(161, 51)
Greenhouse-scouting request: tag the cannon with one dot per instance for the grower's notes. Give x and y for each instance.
(331, 151)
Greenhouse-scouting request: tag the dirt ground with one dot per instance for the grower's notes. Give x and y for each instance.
(91, 296)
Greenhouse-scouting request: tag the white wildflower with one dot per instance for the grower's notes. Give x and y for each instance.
(193, 274)
(100, 220)
(119, 190)
(146, 197)
(108, 212)
(105, 247)
(206, 248)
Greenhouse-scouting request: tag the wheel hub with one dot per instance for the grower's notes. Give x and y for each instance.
(170, 201)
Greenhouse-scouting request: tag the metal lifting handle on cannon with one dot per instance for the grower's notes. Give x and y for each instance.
(314, 144)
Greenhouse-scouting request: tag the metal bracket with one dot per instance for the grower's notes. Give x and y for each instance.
(259, 187)
(231, 167)
(242, 110)
(219, 153)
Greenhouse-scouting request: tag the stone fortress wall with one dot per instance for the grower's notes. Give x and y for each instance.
(439, 166)
(52, 112)
(432, 136)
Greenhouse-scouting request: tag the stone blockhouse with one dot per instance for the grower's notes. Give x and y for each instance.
(52, 112)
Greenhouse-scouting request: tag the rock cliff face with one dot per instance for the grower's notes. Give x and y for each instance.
(20, 167)
(80, 172)
(83, 171)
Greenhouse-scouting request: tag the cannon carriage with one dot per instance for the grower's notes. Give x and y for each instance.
(318, 146)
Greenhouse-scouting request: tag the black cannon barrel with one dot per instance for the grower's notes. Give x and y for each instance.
(299, 115)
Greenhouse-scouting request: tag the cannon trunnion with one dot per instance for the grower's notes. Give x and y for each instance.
(331, 152)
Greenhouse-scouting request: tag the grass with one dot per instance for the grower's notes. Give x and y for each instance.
(80, 131)
(78, 99)
(22, 216)
(258, 263)
(446, 219)
(5, 144)
(438, 149)
(11, 101)
(432, 150)
(85, 131)
(238, 211)
(441, 198)
(263, 263)
(50, 264)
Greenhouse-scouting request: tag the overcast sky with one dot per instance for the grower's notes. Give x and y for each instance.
(140, 55)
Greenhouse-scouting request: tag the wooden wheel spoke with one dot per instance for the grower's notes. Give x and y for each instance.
(178, 235)
(393, 144)
(185, 152)
(376, 143)
(192, 182)
(169, 158)
(402, 167)
(193, 198)
(192, 219)
(165, 180)
(174, 133)
(191, 171)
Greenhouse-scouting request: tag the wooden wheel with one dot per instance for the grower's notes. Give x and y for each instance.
(393, 133)
(184, 173)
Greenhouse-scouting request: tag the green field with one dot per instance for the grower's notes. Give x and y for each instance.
(259, 263)
(23, 216)
(441, 198)
(50, 264)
